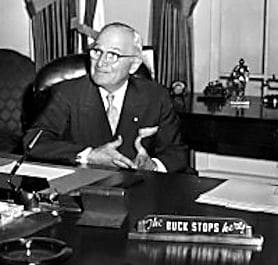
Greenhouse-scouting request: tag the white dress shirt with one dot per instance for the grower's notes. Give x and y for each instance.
(119, 96)
(118, 100)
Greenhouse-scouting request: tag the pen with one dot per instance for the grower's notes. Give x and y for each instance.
(35, 139)
(23, 157)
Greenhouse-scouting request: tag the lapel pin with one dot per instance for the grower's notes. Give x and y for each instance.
(135, 119)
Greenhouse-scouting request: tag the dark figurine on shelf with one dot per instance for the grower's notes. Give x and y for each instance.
(237, 81)
(214, 96)
(215, 89)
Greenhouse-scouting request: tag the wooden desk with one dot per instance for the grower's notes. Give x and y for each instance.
(222, 129)
(163, 194)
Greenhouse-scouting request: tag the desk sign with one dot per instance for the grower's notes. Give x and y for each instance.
(195, 229)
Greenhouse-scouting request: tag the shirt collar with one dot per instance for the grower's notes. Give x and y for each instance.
(119, 92)
(119, 95)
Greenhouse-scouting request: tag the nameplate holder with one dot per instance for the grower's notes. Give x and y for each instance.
(103, 206)
(196, 229)
(28, 183)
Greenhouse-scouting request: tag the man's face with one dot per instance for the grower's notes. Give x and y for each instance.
(109, 75)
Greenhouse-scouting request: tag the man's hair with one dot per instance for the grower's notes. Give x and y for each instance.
(137, 39)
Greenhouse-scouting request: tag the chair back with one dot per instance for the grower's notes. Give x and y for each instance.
(17, 73)
(61, 69)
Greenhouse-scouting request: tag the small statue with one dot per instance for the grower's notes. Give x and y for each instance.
(215, 89)
(237, 81)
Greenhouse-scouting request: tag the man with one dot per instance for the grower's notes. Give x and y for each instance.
(110, 117)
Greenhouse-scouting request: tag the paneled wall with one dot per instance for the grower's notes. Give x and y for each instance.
(133, 12)
(226, 31)
(273, 37)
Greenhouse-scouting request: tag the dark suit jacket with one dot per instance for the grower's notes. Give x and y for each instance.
(75, 118)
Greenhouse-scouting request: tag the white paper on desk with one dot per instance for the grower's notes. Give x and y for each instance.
(243, 195)
(32, 170)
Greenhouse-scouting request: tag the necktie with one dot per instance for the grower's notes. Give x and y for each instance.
(112, 113)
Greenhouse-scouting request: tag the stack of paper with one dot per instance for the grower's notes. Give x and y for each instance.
(47, 172)
(243, 195)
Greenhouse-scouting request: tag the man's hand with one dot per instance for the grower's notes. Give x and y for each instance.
(108, 155)
(143, 161)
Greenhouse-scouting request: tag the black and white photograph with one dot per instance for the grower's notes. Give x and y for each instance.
(138, 132)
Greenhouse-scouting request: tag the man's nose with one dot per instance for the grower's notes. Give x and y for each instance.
(102, 61)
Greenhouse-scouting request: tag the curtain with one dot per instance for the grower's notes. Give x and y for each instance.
(90, 7)
(172, 41)
(52, 32)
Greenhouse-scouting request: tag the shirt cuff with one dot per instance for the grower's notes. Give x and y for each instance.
(82, 157)
(159, 166)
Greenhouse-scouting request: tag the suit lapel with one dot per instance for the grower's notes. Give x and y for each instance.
(133, 106)
(99, 119)
(129, 122)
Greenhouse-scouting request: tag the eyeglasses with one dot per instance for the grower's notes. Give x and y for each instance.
(110, 56)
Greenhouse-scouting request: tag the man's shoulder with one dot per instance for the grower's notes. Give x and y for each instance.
(150, 87)
(72, 84)
(73, 87)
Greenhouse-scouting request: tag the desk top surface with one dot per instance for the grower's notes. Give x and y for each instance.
(197, 105)
(163, 194)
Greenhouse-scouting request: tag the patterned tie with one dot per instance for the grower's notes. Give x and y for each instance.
(112, 113)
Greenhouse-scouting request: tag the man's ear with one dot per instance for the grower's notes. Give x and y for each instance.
(135, 65)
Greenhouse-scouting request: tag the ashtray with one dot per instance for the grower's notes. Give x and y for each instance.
(34, 251)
